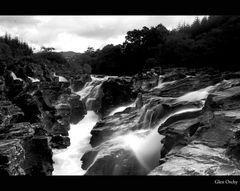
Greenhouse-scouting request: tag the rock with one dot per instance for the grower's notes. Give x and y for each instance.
(11, 157)
(17, 130)
(173, 76)
(88, 158)
(197, 159)
(59, 142)
(115, 92)
(3, 68)
(139, 102)
(145, 81)
(151, 114)
(120, 162)
(9, 113)
(25, 150)
(186, 85)
(231, 75)
(35, 116)
(212, 131)
(2, 88)
(94, 101)
(30, 106)
(226, 99)
(34, 113)
(78, 109)
(13, 87)
(78, 83)
(38, 157)
(99, 134)
(201, 142)
(182, 118)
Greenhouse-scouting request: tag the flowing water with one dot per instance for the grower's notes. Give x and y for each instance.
(162, 84)
(196, 95)
(122, 108)
(144, 143)
(67, 161)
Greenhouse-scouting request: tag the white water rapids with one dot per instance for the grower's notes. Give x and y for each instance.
(67, 161)
(145, 143)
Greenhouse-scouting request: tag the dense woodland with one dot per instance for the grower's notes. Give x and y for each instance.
(210, 42)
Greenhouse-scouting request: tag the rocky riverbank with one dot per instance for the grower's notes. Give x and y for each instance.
(36, 109)
(195, 116)
(159, 122)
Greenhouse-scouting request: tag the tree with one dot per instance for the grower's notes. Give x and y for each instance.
(5, 52)
(89, 50)
(47, 49)
(18, 48)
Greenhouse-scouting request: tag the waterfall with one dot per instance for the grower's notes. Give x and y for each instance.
(122, 108)
(196, 95)
(146, 144)
(162, 84)
(67, 161)
(91, 87)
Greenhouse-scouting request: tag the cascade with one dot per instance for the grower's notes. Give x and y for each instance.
(67, 161)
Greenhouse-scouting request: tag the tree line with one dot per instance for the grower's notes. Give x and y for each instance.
(210, 42)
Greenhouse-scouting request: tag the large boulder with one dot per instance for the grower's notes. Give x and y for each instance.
(116, 91)
(78, 108)
(38, 156)
(120, 162)
(59, 142)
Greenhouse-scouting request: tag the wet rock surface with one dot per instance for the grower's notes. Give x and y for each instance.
(205, 144)
(78, 82)
(195, 114)
(170, 121)
(116, 91)
(107, 93)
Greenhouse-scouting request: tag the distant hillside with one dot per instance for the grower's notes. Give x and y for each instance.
(78, 61)
(69, 54)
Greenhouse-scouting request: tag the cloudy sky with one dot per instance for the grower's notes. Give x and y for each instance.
(76, 33)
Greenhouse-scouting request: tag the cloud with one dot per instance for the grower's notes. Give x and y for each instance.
(78, 32)
(13, 21)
